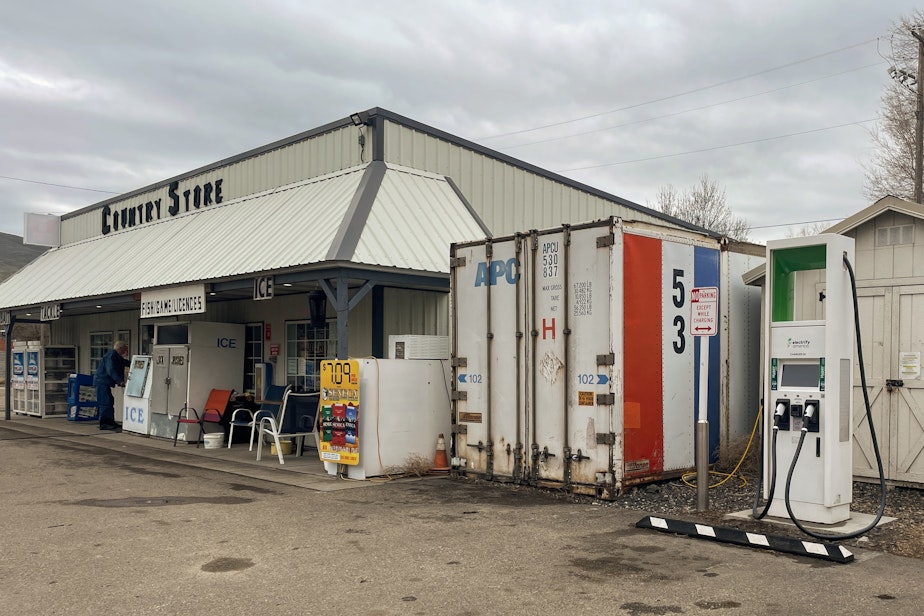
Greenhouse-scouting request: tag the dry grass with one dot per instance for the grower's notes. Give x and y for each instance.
(414, 464)
(728, 459)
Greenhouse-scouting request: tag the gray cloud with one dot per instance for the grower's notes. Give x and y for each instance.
(117, 95)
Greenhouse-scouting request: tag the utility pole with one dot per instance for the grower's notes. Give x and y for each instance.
(919, 121)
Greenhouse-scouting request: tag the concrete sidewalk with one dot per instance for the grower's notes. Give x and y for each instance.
(305, 471)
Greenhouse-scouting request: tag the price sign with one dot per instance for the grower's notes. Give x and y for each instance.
(340, 411)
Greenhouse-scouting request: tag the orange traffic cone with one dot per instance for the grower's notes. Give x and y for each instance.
(440, 461)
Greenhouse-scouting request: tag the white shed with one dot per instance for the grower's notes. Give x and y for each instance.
(889, 269)
(889, 239)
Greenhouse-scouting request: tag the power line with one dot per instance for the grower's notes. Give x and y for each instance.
(790, 224)
(718, 147)
(679, 94)
(108, 192)
(677, 113)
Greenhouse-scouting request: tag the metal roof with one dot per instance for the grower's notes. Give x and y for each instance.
(373, 215)
(379, 112)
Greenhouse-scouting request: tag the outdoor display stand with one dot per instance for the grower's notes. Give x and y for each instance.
(19, 377)
(81, 398)
(47, 372)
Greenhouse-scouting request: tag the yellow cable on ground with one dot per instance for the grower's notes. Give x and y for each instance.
(728, 476)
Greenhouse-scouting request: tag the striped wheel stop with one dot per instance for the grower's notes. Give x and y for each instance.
(824, 551)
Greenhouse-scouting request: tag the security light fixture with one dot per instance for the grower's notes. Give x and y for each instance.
(359, 118)
(317, 307)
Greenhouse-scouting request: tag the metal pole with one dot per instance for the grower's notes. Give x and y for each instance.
(919, 121)
(702, 428)
(7, 394)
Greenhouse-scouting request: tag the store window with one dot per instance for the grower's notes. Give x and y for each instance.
(100, 344)
(306, 347)
(147, 339)
(125, 335)
(253, 353)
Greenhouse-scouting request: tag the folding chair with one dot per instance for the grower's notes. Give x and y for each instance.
(245, 418)
(213, 412)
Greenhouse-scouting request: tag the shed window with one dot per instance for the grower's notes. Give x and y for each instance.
(893, 236)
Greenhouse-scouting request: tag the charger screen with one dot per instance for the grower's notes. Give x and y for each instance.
(801, 375)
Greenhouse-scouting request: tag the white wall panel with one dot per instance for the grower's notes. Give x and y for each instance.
(508, 198)
(416, 312)
(302, 160)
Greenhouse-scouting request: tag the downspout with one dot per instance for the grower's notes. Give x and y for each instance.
(454, 361)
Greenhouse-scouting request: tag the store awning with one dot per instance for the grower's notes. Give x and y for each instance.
(377, 216)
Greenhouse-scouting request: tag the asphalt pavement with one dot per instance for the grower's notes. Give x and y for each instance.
(97, 523)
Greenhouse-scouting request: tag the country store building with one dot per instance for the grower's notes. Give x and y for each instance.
(327, 243)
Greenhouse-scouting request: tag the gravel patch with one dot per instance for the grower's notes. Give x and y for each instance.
(676, 499)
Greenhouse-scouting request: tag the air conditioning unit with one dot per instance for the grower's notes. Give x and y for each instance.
(418, 347)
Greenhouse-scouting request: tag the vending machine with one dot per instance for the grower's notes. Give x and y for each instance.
(136, 406)
(188, 361)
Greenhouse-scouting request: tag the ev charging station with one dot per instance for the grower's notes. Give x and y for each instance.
(808, 373)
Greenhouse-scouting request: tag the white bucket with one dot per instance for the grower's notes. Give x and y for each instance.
(216, 440)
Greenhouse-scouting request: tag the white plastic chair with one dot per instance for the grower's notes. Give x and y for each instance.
(304, 407)
(245, 418)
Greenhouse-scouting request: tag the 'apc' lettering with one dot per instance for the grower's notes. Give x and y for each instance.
(489, 274)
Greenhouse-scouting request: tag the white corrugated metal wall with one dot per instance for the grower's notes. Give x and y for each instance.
(416, 312)
(312, 157)
(507, 198)
(742, 361)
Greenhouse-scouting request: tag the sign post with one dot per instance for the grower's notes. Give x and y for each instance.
(704, 307)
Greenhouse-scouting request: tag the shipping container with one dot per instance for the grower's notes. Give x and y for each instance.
(575, 362)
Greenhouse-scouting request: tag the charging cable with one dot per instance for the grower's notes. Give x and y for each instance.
(778, 412)
(872, 430)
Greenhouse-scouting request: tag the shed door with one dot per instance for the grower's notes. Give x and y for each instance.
(876, 331)
(907, 424)
(892, 326)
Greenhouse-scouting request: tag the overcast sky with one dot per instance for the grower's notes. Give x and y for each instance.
(773, 100)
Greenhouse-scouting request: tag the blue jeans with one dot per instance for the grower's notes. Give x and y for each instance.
(106, 404)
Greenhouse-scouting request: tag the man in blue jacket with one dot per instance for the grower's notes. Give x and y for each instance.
(111, 372)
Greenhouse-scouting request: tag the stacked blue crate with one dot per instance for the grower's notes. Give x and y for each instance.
(81, 398)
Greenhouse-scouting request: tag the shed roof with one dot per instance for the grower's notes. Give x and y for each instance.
(885, 204)
(375, 216)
